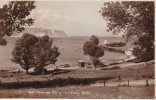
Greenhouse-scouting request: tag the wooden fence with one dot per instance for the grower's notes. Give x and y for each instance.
(15, 83)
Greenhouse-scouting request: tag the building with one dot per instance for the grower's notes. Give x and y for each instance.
(81, 63)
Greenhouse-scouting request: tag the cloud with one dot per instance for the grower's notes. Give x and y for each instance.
(75, 18)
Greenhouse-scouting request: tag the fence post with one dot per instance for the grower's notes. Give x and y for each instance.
(33, 82)
(82, 82)
(149, 75)
(49, 80)
(18, 83)
(128, 83)
(104, 82)
(119, 78)
(0, 81)
(147, 83)
(14, 84)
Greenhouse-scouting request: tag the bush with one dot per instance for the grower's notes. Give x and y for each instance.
(66, 65)
(115, 67)
(88, 63)
(39, 71)
(101, 64)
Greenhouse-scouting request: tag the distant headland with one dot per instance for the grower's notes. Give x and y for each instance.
(41, 32)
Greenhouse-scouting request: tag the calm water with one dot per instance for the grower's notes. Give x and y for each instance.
(70, 48)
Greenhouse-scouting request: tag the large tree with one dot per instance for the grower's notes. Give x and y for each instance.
(44, 53)
(13, 18)
(31, 51)
(92, 49)
(136, 20)
(22, 52)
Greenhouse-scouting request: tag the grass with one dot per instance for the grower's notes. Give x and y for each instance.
(71, 91)
(85, 92)
(125, 73)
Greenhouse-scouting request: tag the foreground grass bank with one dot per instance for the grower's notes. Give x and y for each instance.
(139, 92)
(86, 91)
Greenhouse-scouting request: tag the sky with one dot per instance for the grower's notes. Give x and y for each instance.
(75, 18)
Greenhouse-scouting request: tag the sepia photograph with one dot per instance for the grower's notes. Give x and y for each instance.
(77, 49)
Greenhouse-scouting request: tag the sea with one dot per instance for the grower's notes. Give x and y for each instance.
(70, 48)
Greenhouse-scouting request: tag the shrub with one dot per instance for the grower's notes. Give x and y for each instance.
(66, 65)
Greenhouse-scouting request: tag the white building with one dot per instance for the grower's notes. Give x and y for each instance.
(129, 52)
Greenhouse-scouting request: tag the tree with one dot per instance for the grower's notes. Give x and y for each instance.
(94, 39)
(31, 51)
(44, 53)
(144, 49)
(92, 49)
(89, 49)
(136, 20)
(22, 52)
(13, 18)
(96, 61)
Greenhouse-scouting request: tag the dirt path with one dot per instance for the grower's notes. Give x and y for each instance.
(125, 83)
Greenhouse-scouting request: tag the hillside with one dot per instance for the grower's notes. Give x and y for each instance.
(42, 32)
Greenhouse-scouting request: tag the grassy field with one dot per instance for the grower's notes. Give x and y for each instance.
(133, 73)
(87, 91)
